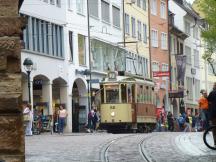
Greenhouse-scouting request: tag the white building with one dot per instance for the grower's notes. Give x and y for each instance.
(188, 21)
(56, 40)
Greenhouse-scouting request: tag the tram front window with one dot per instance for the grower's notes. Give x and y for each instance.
(112, 94)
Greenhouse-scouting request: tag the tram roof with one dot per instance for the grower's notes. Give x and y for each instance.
(127, 79)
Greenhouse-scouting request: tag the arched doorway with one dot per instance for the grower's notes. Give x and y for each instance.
(42, 95)
(79, 105)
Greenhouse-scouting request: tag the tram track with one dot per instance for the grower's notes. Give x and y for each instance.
(105, 150)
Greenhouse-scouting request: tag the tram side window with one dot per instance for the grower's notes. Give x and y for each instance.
(129, 91)
(102, 93)
(112, 94)
(124, 93)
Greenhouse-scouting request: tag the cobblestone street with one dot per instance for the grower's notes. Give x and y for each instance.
(99, 147)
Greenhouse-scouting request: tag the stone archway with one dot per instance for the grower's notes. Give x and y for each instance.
(79, 105)
(11, 123)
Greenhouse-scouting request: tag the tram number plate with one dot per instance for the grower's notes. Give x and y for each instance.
(112, 107)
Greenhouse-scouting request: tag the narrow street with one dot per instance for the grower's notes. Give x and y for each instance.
(104, 147)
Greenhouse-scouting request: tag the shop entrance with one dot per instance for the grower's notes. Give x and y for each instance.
(79, 102)
(175, 108)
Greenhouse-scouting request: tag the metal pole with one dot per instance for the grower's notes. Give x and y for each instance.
(123, 21)
(29, 86)
(89, 51)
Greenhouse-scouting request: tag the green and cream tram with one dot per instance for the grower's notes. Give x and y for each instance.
(127, 103)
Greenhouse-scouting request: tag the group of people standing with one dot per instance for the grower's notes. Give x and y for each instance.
(93, 119)
(186, 122)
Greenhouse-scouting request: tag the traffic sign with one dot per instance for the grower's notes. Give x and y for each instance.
(161, 73)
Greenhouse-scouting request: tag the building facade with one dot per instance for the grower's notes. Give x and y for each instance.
(159, 49)
(187, 20)
(58, 46)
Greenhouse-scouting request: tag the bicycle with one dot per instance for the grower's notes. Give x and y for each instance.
(209, 139)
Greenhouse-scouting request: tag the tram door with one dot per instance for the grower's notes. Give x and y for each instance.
(133, 103)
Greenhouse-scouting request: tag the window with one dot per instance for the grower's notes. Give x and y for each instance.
(105, 11)
(153, 7)
(154, 38)
(127, 24)
(164, 41)
(163, 9)
(93, 8)
(70, 4)
(165, 67)
(139, 34)
(187, 27)
(80, 6)
(144, 4)
(52, 2)
(144, 33)
(196, 58)
(82, 49)
(124, 93)
(197, 89)
(71, 45)
(46, 37)
(112, 94)
(195, 33)
(188, 54)
(58, 3)
(189, 88)
(155, 66)
(116, 16)
(133, 23)
(139, 3)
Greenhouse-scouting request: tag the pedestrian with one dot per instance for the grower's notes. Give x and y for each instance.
(62, 115)
(181, 122)
(204, 112)
(170, 121)
(28, 119)
(90, 120)
(187, 124)
(94, 119)
(212, 109)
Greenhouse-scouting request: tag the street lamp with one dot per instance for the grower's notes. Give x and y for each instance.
(28, 65)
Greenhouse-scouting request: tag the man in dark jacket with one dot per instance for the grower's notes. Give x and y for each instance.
(212, 108)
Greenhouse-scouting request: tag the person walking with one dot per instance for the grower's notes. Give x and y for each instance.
(94, 119)
(187, 124)
(170, 121)
(28, 119)
(204, 112)
(212, 109)
(62, 116)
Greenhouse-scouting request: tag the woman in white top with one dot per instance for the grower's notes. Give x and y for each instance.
(27, 111)
(62, 116)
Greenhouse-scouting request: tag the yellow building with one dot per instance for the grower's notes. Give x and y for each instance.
(137, 37)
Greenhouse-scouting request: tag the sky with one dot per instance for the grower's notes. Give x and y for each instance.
(191, 1)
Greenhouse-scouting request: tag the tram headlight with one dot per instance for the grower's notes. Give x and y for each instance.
(112, 114)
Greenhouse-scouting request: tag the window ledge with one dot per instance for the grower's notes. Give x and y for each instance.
(81, 14)
(94, 17)
(105, 22)
(42, 54)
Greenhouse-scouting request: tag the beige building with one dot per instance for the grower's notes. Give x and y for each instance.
(136, 37)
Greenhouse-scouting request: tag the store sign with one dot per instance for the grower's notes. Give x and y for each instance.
(176, 94)
(161, 73)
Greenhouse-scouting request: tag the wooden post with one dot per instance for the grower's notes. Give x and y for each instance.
(11, 123)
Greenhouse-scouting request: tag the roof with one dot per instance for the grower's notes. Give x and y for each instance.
(188, 8)
(127, 79)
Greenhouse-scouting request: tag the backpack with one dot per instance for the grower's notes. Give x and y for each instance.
(181, 120)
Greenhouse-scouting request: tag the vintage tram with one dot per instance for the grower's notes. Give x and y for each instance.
(127, 104)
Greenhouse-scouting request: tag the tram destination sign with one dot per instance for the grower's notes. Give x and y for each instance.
(161, 73)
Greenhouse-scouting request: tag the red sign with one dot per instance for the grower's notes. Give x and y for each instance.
(161, 73)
